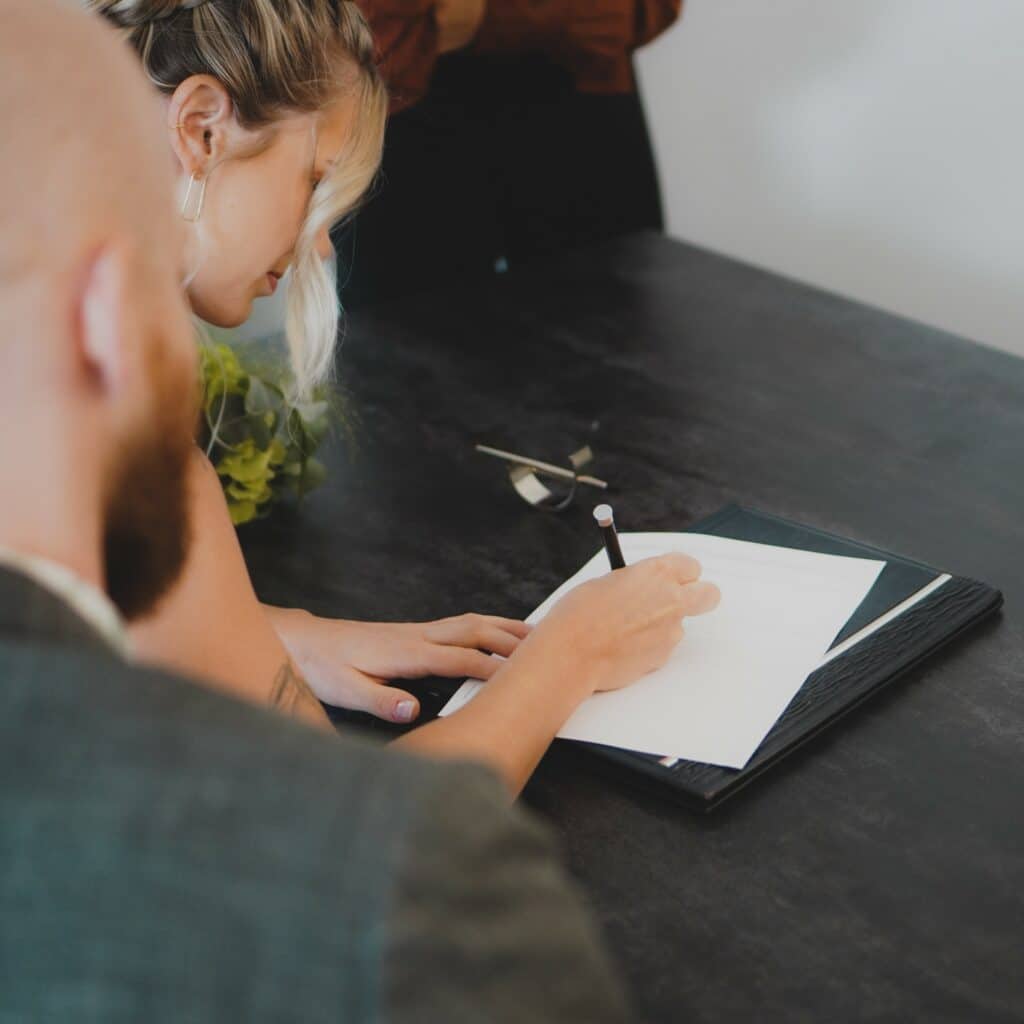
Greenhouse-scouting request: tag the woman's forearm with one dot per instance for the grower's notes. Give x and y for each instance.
(211, 626)
(511, 722)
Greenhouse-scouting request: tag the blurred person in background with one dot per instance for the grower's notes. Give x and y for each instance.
(516, 132)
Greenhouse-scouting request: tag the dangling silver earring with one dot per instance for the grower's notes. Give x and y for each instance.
(192, 209)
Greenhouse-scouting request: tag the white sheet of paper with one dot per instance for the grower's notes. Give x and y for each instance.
(738, 668)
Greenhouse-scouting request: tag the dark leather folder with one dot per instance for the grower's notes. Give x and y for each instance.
(839, 686)
(828, 694)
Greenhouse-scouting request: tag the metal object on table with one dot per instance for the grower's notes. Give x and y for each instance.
(525, 474)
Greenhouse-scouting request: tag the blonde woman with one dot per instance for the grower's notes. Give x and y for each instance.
(274, 112)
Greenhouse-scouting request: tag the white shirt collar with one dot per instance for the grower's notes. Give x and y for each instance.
(88, 601)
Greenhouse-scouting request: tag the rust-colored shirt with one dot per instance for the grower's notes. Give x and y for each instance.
(593, 39)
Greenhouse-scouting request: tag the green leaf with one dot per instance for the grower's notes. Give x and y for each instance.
(278, 452)
(257, 492)
(264, 445)
(242, 512)
(261, 434)
(312, 412)
(314, 474)
(221, 372)
(246, 464)
(263, 398)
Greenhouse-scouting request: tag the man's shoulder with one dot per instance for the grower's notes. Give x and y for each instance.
(180, 729)
(199, 837)
(250, 864)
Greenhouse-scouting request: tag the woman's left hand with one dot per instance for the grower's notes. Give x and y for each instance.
(348, 663)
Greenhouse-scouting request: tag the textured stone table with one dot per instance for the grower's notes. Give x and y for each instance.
(876, 875)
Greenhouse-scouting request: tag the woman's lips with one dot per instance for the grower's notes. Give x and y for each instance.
(272, 280)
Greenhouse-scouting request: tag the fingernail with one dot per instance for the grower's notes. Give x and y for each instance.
(405, 710)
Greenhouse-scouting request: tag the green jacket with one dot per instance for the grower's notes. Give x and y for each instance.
(168, 854)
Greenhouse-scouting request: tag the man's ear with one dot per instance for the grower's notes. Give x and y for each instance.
(103, 319)
(201, 123)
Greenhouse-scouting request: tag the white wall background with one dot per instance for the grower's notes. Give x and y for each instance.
(874, 147)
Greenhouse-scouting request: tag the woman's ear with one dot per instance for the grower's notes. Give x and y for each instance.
(201, 121)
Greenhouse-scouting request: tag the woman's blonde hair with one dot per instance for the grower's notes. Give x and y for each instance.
(276, 57)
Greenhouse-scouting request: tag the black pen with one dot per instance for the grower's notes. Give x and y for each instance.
(606, 520)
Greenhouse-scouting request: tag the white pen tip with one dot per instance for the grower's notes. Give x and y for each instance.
(604, 516)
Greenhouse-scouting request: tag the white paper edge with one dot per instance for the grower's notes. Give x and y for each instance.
(863, 634)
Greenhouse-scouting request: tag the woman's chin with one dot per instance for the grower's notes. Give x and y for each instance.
(221, 314)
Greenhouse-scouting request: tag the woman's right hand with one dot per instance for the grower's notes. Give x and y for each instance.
(626, 624)
(602, 635)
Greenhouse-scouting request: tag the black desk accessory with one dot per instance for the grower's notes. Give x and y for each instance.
(524, 473)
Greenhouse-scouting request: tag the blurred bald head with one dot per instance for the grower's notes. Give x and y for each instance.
(95, 337)
(84, 157)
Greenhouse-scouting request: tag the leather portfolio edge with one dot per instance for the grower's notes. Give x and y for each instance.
(830, 693)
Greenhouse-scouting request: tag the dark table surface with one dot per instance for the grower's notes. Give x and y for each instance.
(877, 874)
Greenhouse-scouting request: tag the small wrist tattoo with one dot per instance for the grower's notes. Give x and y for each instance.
(289, 690)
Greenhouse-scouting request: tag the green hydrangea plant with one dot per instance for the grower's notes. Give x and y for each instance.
(261, 443)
